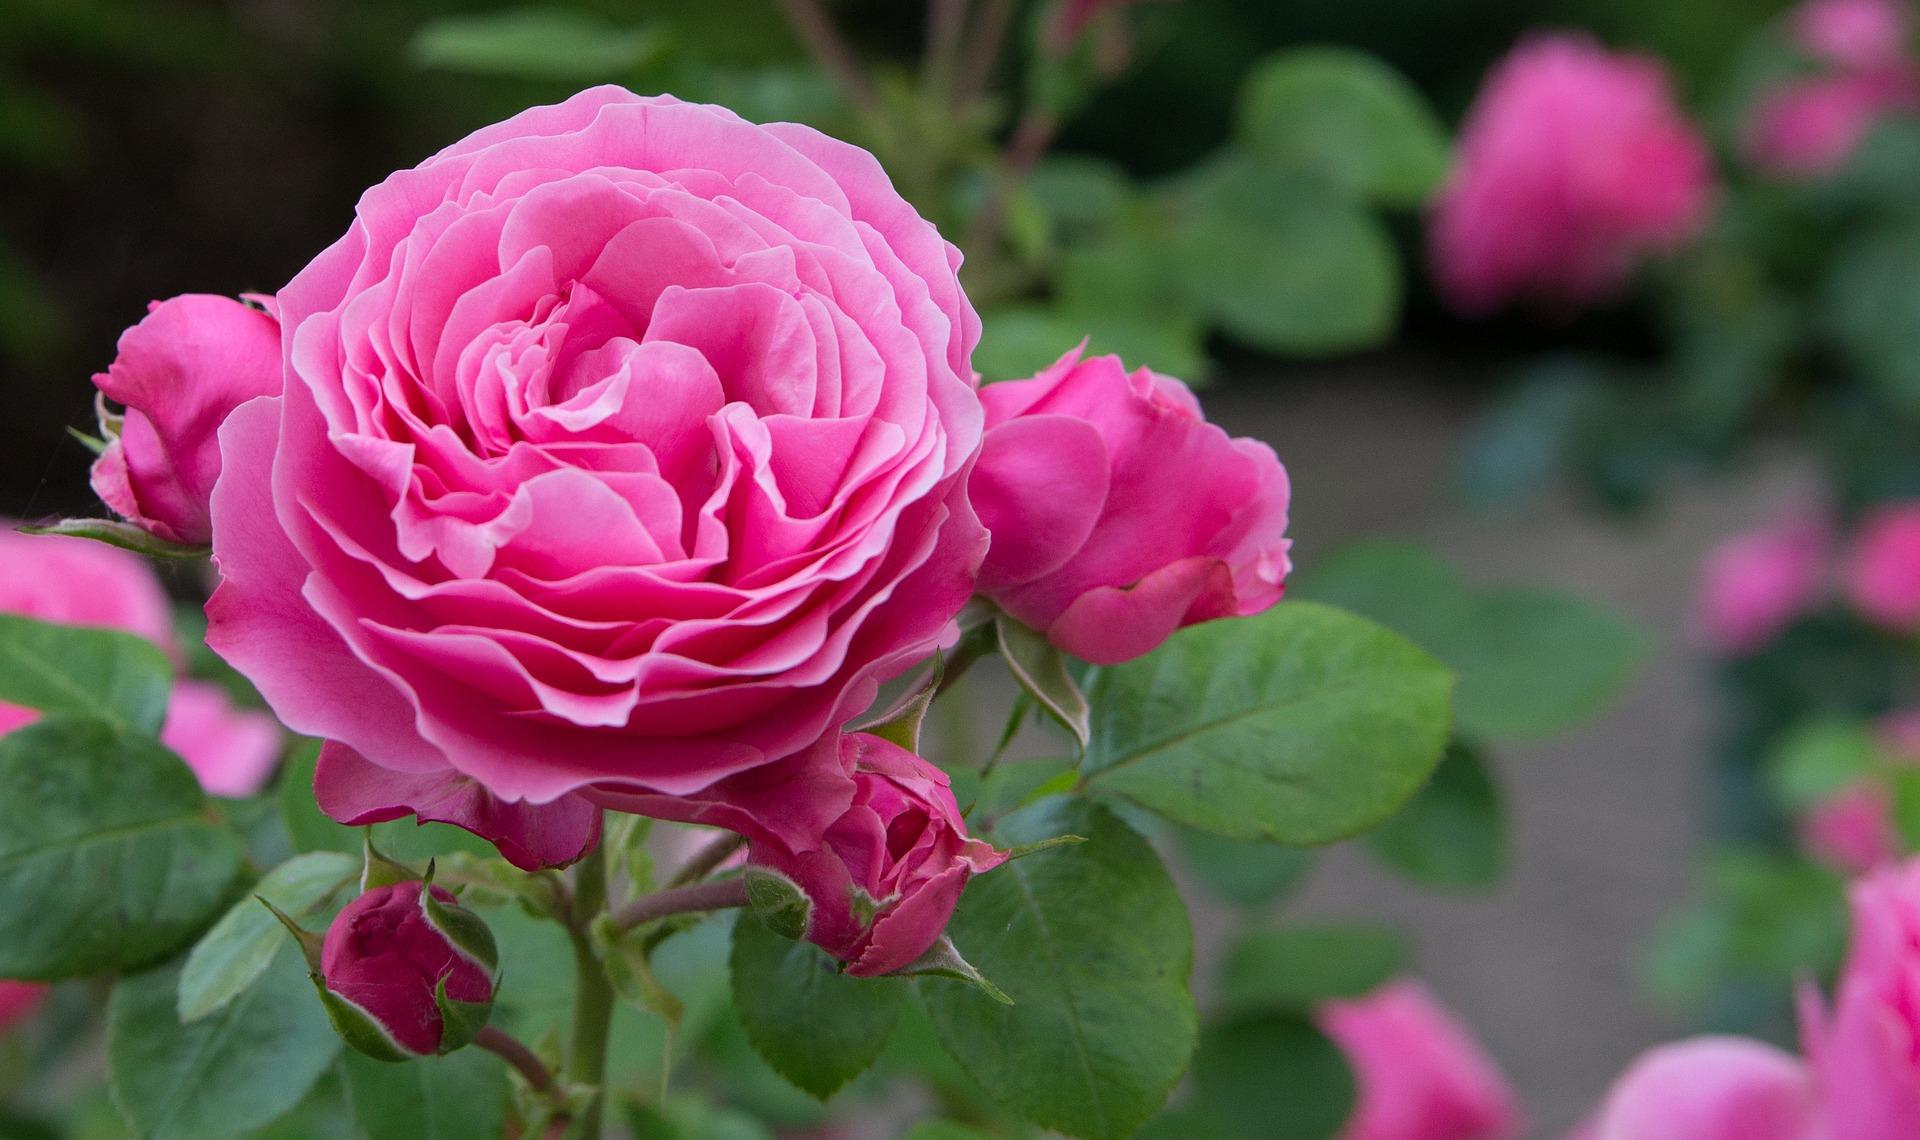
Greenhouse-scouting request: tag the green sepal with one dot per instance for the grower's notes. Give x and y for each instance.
(92, 443)
(124, 535)
(358, 1028)
(1026, 849)
(380, 871)
(1042, 672)
(310, 943)
(779, 902)
(459, 1020)
(943, 960)
(632, 974)
(466, 930)
(901, 724)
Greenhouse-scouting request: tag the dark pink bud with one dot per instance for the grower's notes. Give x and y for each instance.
(406, 971)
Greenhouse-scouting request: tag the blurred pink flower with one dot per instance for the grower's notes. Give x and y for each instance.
(1574, 166)
(1755, 583)
(1709, 1088)
(1882, 576)
(19, 1001)
(1865, 1051)
(1851, 830)
(231, 750)
(1811, 127)
(1421, 1075)
(1854, 34)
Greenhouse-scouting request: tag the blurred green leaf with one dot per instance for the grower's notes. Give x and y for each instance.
(1092, 943)
(103, 673)
(1021, 340)
(106, 848)
(1248, 874)
(1285, 264)
(534, 43)
(1758, 918)
(1453, 834)
(1274, 1077)
(229, 957)
(1294, 968)
(461, 1096)
(1819, 757)
(1869, 307)
(1301, 725)
(1526, 436)
(1347, 117)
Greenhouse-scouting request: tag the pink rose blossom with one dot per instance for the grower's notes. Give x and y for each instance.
(1119, 514)
(1574, 165)
(1811, 127)
(1856, 35)
(901, 849)
(622, 454)
(1865, 1052)
(1756, 583)
(19, 1001)
(75, 581)
(1852, 830)
(179, 372)
(1882, 576)
(1710, 1088)
(1421, 1075)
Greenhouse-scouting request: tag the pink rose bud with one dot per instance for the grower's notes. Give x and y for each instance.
(1118, 514)
(19, 1001)
(406, 971)
(180, 371)
(1754, 584)
(1863, 1050)
(1420, 1073)
(1852, 830)
(1574, 166)
(1710, 1088)
(1857, 35)
(890, 870)
(1883, 575)
(1811, 127)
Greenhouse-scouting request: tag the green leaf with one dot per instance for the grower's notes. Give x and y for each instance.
(1296, 967)
(460, 1096)
(1532, 663)
(532, 43)
(1286, 265)
(1348, 118)
(126, 536)
(1868, 307)
(225, 1074)
(1248, 874)
(1020, 340)
(101, 673)
(1092, 943)
(238, 949)
(815, 1026)
(1453, 834)
(944, 1130)
(1042, 671)
(1301, 725)
(1274, 1077)
(1820, 757)
(103, 843)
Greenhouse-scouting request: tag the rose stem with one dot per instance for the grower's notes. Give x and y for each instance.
(706, 859)
(718, 895)
(509, 1049)
(593, 993)
(825, 44)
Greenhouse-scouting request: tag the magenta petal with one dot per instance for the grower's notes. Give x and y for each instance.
(531, 836)
(1113, 624)
(1039, 487)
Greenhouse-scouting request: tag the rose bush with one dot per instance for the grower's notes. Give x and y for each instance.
(621, 457)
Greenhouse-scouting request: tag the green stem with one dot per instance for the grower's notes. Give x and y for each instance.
(592, 994)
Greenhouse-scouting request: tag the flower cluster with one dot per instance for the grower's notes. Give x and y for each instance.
(1862, 72)
(617, 455)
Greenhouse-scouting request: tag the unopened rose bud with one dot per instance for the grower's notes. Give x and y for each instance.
(406, 971)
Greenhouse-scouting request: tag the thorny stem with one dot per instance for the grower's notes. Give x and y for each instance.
(824, 42)
(510, 1049)
(707, 859)
(718, 895)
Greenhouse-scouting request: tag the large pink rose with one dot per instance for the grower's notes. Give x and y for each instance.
(1756, 583)
(1119, 514)
(180, 372)
(77, 582)
(1865, 1052)
(1883, 572)
(1421, 1074)
(1710, 1088)
(621, 455)
(1574, 165)
(888, 873)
